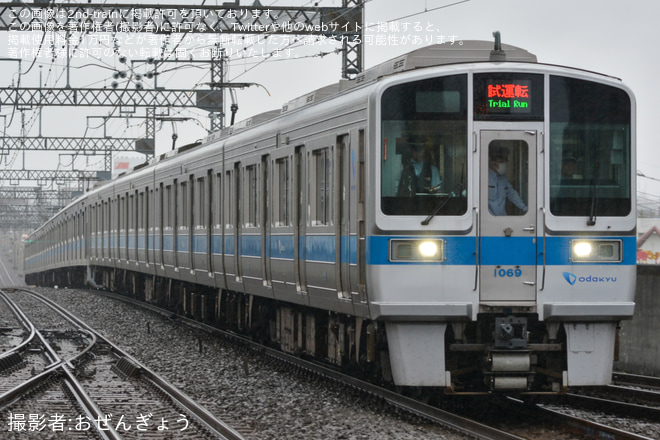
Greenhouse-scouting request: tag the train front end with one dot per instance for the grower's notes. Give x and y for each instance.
(501, 254)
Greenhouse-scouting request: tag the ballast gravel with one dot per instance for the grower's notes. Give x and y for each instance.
(262, 400)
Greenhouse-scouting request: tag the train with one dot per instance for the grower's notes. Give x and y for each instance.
(461, 218)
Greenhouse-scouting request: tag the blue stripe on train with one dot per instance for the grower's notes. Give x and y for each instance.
(458, 250)
(313, 247)
(499, 250)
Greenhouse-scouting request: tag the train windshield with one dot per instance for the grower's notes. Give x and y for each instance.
(424, 147)
(590, 149)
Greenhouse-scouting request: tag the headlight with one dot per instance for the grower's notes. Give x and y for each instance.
(596, 251)
(582, 249)
(416, 250)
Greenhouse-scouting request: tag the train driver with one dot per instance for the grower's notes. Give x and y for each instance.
(569, 168)
(418, 174)
(499, 187)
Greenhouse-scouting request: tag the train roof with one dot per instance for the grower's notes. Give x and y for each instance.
(448, 53)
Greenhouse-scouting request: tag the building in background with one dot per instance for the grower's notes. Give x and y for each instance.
(648, 241)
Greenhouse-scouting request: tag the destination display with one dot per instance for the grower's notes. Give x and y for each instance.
(508, 96)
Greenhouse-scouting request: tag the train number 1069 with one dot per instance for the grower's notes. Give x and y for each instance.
(500, 272)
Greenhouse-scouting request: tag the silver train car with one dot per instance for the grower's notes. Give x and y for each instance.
(460, 218)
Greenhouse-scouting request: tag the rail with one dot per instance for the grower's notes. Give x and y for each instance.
(68, 369)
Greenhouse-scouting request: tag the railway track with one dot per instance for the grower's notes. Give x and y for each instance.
(86, 385)
(553, 413)
(632, 401)
(636, 380)
(618, 400)
(550, 420)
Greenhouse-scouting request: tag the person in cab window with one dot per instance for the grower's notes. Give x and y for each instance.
(569, 169)
(418, 174)
(499, 187)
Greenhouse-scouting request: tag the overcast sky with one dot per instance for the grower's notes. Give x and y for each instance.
(607, 36)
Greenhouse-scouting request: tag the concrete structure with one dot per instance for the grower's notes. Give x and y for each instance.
(639, 341)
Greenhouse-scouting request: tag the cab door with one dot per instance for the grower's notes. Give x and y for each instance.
(507, 227)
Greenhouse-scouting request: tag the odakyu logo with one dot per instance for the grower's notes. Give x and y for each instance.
(572, 279)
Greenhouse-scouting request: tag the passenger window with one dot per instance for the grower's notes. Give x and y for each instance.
(322, 187)
(167, 210)
(182, 216)
(217, 198)
(200, 215)
(283, 193)
(230, 206)
(252, 196)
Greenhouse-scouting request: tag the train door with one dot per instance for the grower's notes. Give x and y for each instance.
(175, 225)
(359, 210)
(342, 236)
(105, 229)
(192, 221)
(299, 230)
(160, 215)
(210, 215)
(227, 224)
(237, 216)
(144, 202)
(134, 224)
(265, 220)
(507, 226)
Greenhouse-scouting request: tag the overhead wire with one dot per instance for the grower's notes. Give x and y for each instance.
(288, 46)
(641, 174)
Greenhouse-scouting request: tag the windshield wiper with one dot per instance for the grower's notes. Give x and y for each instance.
(436, 210)
(446, 199)
(594, 197)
